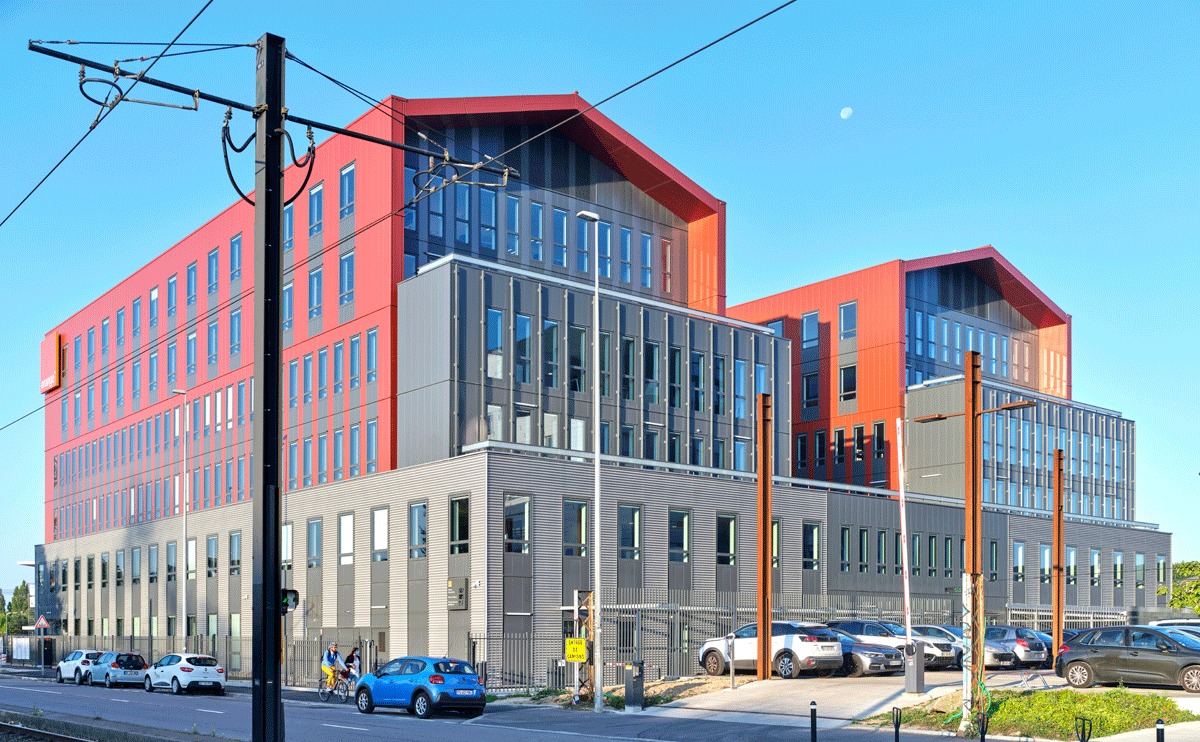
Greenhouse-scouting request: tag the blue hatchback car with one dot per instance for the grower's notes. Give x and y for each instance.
(423, 685)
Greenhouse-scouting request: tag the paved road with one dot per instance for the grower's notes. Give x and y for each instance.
(309, 720)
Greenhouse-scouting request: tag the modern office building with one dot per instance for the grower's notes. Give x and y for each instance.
(438, 417)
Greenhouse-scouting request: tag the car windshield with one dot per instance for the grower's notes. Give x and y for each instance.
(202, 661)
(1187, 639)
(956, 630)
(896, 629)
(453, 667)
(995, 634)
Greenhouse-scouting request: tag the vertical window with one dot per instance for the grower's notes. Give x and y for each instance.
(151, 374)
(675, 377)
(844, 550)
(993, 561)
(523, 331)
(650, 445)
(355, 361)
(819, 448)
(171, 563)
(372, 445)
(410, 192)
(1094, 568)
(582, 244)
(462, 213)
(667, 262)
(848, 376)
(1018, 561)
(372, 354)
(629, 532)
(289, 228)
(604, 249)
(293, 382)
(914, 564)
(560, 238)
(487, 219)
(575, 528)
(235, 332)
(848, 320)
(379, 535)
(495, 422)
(809, 330)
(864, 550)
(338, 437)
(513, 223)
(191, 559)
(322, 458)
(437, 207)
(346, 538)
(522, 426)
(516, 524)
(650, 368)
(577, 358)
(495, 344)
(287, 307)
(698, 381)
(550, 430)
(839, 446)
(346, 191)
(718, 382)
(812, 391)
(948, 558)
(308, 378)
(741, 460)
(120, 326)
(346, 278)
(647, 261)
(211, 557)
(811, 547)
(881, 552)
(338, 366)
(1118, 570)
(135, 325)
(679, 535)
(307, 461)
(932, 556)
(314, 292)
(235, 553)
(535, 230)
(549, 354)
(214, 270)
(135, 380)
(460, 525)
(605, 364)
(626, 255)
(354, 450)
(802, 455)
(316, 208)
(235, 257)
(104, 325)
(212, 342)
(859, 442)
(322, 373)
(151, 310)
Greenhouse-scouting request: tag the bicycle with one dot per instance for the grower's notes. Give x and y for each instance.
(339, 690)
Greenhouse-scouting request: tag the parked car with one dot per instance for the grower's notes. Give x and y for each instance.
(423, 685)
(184, 672)
(795, 646)
(1193, 622)
(860, 658)
(994, 655)
(1153, 655)
(75, 665)
(1024, 643)
(938, 653)
(1048, 640)
(113, 668)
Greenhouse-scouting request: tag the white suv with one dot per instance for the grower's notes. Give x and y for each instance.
(938, 653)
(184, 672)
(795, 646)
(76, 665)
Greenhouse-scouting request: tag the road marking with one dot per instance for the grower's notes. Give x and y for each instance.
(32, 690)
(568, 734)
(120, 700)
(339, 726)
(209, 711)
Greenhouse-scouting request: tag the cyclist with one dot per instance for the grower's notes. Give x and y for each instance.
(353, 667)
(331, 661)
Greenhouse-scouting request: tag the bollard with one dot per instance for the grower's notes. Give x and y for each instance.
(1160, 730)
(1083, 729)
(812, 720)
(897, 714)
(982, 722)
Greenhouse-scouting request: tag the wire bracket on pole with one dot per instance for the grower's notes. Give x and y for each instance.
(227, 144)
(122, 93)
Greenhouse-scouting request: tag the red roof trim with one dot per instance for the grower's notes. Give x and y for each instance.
(593, 131)
(1002, 276)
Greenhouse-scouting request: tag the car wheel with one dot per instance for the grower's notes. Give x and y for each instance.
(148, 684)
(363, 701)
(89, 680)
(108, 683)
(785, 665)
(1190, 679)
(220, 690)
(176, 688)
(1079, 675)
(422, 707)
(827, 672)
(78, 678)
(857, 669)
(714, 663)
(58, 678)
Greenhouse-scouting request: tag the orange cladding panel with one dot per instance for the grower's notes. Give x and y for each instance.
(706, 263)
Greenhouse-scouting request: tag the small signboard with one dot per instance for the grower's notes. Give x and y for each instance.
(456, 594)
(42, 623)
(575, 649)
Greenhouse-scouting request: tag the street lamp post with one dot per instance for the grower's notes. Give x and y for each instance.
(973, 592)
(181, 585)
(597, 659)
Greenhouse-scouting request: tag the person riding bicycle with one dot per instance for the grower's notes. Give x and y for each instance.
(353, 667)
(331, 662)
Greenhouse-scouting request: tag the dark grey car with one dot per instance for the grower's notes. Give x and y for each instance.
(860, 658)
(1023, 642)
(1151, 655)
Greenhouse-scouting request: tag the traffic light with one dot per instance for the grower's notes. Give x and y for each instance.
(290, 600)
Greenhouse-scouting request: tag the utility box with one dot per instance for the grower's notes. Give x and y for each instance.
(635, 686)
(914, 668)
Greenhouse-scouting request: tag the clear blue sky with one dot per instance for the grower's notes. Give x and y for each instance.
(1066, 136)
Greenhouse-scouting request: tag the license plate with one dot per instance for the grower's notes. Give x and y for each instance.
(893, 663)
(131, 673)
(464, 692)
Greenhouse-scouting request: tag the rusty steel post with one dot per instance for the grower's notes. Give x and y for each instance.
(765, 468)
(973, 521)
(1058, 598)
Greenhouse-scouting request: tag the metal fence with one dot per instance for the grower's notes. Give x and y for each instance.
(1040, 618)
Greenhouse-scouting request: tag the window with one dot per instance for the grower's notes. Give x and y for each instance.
(308, 378)
(802, 455)
(993, 561)
(104, 327)
(719, 382)
(171, 563)
(346, 538)
(346, 278)
(560, 238)
(1071, 568)
(535, 230)
(314, 292)
(289, 228)
(287, 306)
(337, 455)
(322, 458)
(355, 361)
(372, 446)
(809, 329)
(462, 213)
(839, 446)
(1044, 565)
(235, 257)
(495, 422)
(650, 444)
(626, 255)
(214, 270)
(604, 249)
(582, 244)
(577, 358)
(605, 364)
(1018, 561)
(152, 312)
(523, 330)
(235, 332)
(1160, 563)
(650, 367)
(812, 391)
(698, 382)
(740, 459)
(628, 368)
(575, 528)
(121, 326)
(354, 450)
(549, 353)
(864, 550)
(322, 373)
(212, 342)
(313, 543)
(437, 207)
(135, 324)
(881, 552)
(820, 448)
(932, 556)
(647, 261)
(487, 219)
(172, 366)
(1118, 570)
(915, 557)
(211, 557)
(293, 381)
(845, 550)
(372, 354)
(849, 383)
(948, 557)
(516, 524)
(679, 535)
(135, 380)
(1095, 568)
(878, 439)
(346, 191)
(629, 532)
(513, 223)
(1139, 571)
(848, 320)
(859, 442)
(151, 564)
(460, 525)
(338, 366)
(811, 547)
(316, 207)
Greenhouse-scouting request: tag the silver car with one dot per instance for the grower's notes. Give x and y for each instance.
(994, 655)
(1024, 643)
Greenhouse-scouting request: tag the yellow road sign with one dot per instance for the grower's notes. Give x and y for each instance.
(575, 649)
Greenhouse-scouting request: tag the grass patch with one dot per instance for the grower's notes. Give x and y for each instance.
(1051, 714)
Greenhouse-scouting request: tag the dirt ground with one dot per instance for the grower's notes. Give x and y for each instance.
(657, 692)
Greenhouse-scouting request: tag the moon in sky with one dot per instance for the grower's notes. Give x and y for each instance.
(847, 112)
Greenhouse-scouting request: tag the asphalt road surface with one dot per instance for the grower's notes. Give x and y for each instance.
(309, 720)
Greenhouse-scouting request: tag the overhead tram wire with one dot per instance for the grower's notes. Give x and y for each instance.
(105, 113)
(141, 43)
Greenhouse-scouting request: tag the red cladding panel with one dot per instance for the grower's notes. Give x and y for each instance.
(51, 366)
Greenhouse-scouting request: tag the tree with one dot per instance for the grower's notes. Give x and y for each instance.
(19, 614)
(3, 614)
(1185, 586)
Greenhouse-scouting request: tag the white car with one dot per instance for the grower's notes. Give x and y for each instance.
(185, 672)
(76, 665)
(115, 668)
(795, 646)
(938, 652)
(994, 655)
